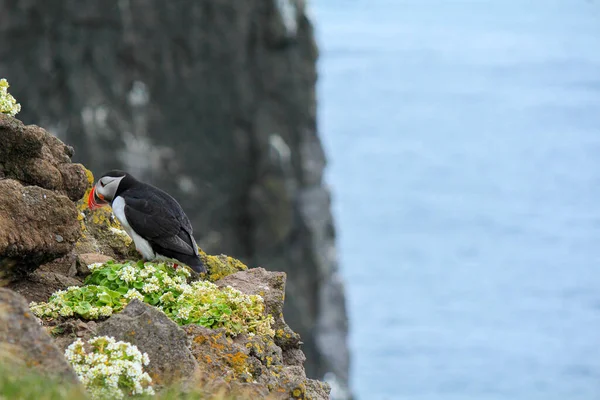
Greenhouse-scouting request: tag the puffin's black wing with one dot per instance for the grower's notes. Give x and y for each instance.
(159, 219)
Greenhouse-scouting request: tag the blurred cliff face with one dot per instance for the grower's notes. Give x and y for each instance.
(213, 101)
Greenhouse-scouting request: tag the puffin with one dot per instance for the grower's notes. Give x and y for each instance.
(153, 219)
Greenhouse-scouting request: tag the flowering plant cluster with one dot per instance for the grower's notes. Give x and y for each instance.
(111, 369)
(112, 285)
(8, 104)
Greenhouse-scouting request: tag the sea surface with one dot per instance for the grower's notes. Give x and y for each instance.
(464, 155)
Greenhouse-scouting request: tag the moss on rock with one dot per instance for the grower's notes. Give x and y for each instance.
(101, 232)
(220, 266)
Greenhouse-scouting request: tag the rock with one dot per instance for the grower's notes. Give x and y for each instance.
(271, 286)
(317, 389)
(294, 357)
(23, 340)
(247, 365)
(220, 266)
(67, 331)
(218, 356)
(83, 260)
(32, 156)
(241, 72)
(39, 285)
(38, 182)
(102, 233)
(154, 333)
(30, 220)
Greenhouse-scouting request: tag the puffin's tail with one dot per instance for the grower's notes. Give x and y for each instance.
(196, 264)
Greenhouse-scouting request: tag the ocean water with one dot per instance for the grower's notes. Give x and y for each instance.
(464, 148)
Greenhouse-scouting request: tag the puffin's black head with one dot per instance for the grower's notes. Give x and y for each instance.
(108, 187)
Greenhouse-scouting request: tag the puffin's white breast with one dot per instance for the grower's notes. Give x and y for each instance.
(118, 207)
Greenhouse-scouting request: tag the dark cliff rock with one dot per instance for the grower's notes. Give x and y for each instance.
(213, 101)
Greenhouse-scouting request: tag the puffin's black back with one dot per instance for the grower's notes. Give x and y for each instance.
(157, 217)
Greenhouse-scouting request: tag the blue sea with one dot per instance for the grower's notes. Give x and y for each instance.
(464, 157)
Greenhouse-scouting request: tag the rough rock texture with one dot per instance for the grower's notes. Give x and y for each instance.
(85, 259)
(102, 233)
(154, 333)
(39, 285)
(34, 157)
(36, 226)
(38, 220)
(248, 364)
(23, 340)
(213, 101)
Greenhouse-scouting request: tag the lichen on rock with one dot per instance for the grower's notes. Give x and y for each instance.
(220, 266)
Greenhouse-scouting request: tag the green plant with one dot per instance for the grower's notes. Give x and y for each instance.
(111, 369)
(112, 285)
(8, 104)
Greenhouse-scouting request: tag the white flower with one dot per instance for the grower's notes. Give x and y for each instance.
(184, 312)
(150, 287)
(154, 280)
(8, 104)
(128, 274)
(94, 266)
(134, 294)
(150, 390)
(150, 269)
(66, 311)
(112, 369)
(167, 298)
(94, 312)
(105, 311)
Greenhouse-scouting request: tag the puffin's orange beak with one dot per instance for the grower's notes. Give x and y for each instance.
(95, 200)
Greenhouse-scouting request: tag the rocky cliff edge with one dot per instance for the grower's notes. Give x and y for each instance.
(68, 273)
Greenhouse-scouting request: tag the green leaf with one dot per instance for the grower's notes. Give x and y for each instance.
(105, 298)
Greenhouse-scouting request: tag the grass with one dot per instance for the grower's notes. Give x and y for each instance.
(20, 383)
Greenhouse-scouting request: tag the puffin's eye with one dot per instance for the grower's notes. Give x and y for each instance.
(102, 184)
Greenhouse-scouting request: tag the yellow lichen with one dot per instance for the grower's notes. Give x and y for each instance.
(220, 266)
(237, 361)
(299, 392)
(199, 339)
